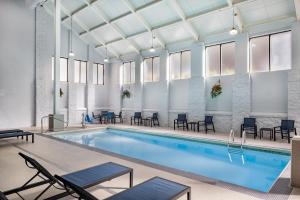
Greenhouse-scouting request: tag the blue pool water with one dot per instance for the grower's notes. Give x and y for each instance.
(259, 170)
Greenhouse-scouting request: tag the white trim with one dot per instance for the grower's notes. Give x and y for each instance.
(128, 109)
(102, 108)
(269, 115)
(81, 109)
(179, 111)
(150, 110)
(222, 113)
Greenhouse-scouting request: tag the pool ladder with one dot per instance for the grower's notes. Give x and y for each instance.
(236, 148)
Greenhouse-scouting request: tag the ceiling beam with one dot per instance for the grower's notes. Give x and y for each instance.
(143, 22)
(176, 7)
(297, 8)
(237, 17)
(101, 14)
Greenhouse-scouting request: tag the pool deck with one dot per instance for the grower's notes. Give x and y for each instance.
(61, 157)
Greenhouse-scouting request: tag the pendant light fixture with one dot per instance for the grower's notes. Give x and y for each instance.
(233, 31)
(71, 53)
(106, 57)
(152, 48)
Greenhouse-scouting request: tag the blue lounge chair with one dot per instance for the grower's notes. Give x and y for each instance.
(84, 178)
(153, 189)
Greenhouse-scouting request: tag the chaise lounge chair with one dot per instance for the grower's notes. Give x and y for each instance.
(153, 189)
(84, 178)
(2, 196)
(16, 133)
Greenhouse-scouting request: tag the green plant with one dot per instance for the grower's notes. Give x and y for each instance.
(61, 93)
(125, 94)
(216, 90)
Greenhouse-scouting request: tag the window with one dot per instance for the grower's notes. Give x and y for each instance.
(129, 72)
(220, 59)
(151, 69)
(98, 74)
(63, 73)
(270, 52)
(180, 65)
(80, 71)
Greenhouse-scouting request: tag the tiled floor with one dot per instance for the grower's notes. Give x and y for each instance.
(60, 158)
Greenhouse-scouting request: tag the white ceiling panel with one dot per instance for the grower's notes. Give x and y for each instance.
(159, 14)
(192, 7)
(122, 47)
(72, 5)
(130, 25)
(211, 23)
(174, 33)
(106, 33)
(140, 3)
(277, 8)
(112, 8)
(91, 40)
(89, 18)
(76, 27)
(145, 42)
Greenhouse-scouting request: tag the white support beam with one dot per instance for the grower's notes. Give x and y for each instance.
(101, 14)
(297, 8)
(56, 86)
(175, 5)
(238, 18)
(143, 22)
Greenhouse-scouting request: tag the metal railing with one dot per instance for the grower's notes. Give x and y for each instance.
(232, 147)
(47, 116)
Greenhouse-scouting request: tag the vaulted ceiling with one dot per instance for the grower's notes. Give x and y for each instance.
(126, 26)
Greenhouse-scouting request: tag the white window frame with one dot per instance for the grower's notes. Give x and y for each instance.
(152, 61)
(130, 72)
(52, 68)
(180, 75)
(97, 73)
(80, 63)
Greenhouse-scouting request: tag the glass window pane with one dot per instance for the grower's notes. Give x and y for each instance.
(175, 66)
(281, 51)
(148, 70)
(156, 64)
(186, 65)
(95, 66)
(132, 72)
(213, 60)
(63, 69)
(228, 59)
(76, 71)
(83, 72)
(100, 74)
(126, 71)
(259, 54)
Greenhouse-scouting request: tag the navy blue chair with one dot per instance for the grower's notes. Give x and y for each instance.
(207, 123)
(287, 127)
(181, 121)
(249, 126)
(111, 117)
(136, 118)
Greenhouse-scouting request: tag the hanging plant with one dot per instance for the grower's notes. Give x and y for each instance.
(61, 93)
(125, 94)
(216, 90)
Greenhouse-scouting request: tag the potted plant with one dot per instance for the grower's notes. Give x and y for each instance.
(125, 94)
(216, 90)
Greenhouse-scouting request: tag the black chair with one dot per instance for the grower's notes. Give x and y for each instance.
(249, 126)
(2, 196)
(16, 133)
(286, 128)
(86, 178)
(155, 188)
(103, 117)
(111, 118)
(136, 118)
(208, 122)
(153, 120)
(181, 121)
(119, 116)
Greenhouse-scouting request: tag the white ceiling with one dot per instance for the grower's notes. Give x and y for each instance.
(124, 26)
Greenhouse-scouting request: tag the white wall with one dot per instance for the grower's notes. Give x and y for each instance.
(17, 64)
